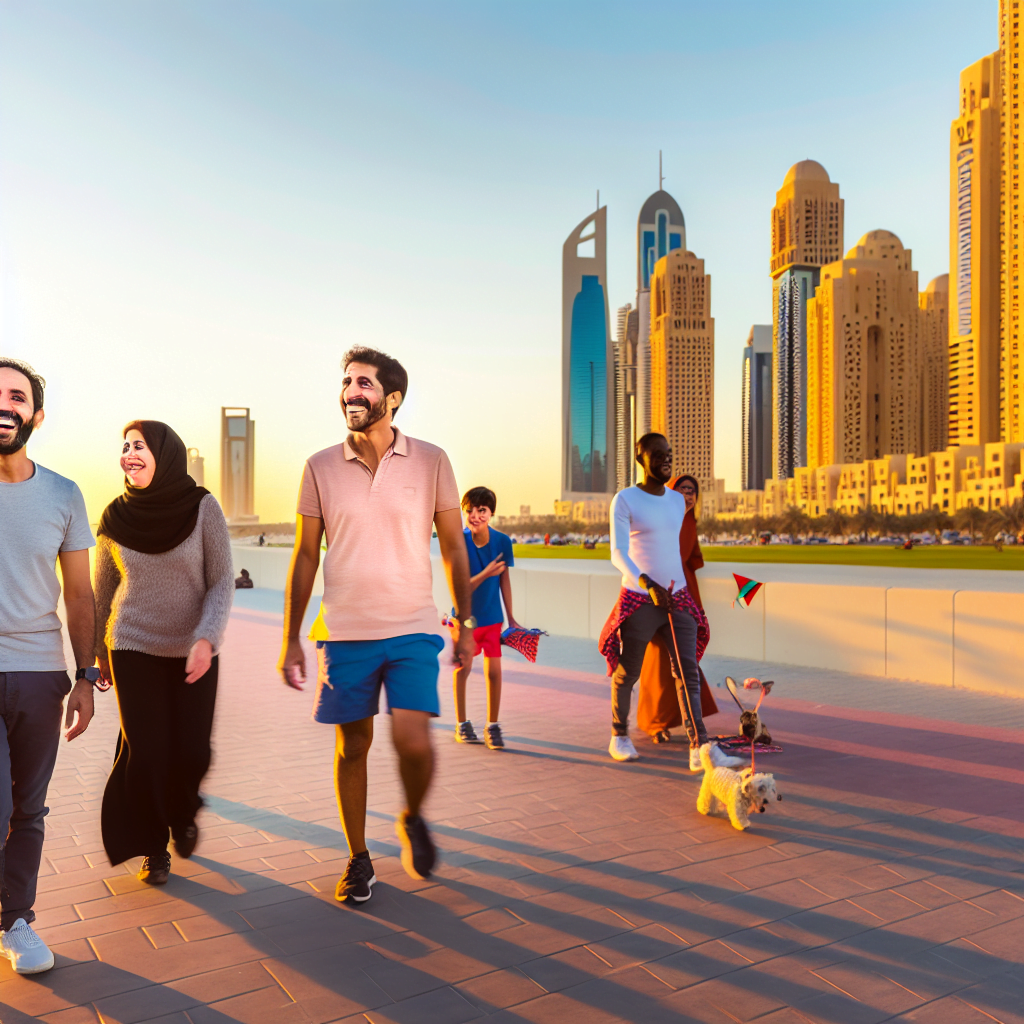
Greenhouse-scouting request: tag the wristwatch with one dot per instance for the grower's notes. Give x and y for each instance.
(470, 623)
(92, 674)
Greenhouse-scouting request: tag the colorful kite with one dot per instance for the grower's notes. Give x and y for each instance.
(524, 641)
(748, 588)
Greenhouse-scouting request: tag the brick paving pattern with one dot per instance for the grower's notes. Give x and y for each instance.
(886, 886)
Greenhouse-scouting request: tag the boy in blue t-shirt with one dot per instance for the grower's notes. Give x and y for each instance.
(490, 556)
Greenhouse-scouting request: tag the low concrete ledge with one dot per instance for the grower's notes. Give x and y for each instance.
(972, 639)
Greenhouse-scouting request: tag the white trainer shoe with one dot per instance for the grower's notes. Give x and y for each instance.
(720, 759)
(26, 951)
(622, 749)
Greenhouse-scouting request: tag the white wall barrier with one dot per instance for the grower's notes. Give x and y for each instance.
(964, 638)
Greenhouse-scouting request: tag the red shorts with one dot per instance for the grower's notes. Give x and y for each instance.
(488, 640)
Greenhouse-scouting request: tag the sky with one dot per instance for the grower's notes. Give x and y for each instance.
(205, 202)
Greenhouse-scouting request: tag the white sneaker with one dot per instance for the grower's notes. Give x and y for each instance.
(695, 765)
(720, 759)
(622, 749)
(27, 952)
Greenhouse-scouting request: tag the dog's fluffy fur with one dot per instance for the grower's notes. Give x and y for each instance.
(739, 793)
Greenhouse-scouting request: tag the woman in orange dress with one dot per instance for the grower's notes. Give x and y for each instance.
(658, 705)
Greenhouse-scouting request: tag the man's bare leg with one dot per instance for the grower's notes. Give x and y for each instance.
(350, 753)
(460, 676)
(410, 733)
(492, 672)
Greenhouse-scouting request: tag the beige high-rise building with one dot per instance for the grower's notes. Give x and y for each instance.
(683, 363)
(863, 356)
(975, 313)
(934, 305)
(807, 232)
(1011, 217)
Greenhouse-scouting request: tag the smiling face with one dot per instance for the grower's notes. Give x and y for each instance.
(688, 491)
(137, 461)
(478, 517)
(18, 417)
(362, 398)
(657, 460)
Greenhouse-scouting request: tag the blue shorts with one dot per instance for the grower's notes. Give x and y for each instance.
(350, 673)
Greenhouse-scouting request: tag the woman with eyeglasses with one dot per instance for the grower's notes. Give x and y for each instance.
(658, 705)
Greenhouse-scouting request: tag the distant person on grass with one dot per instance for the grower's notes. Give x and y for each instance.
(646, 521)
(376, 496)
(490, 557)
(44, 522)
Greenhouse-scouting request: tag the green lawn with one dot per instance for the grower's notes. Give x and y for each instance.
(931, 557)
(569, 551)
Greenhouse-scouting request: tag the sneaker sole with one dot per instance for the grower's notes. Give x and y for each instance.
(406, 858)
(359, 899)
(459, 739)
(35, 970)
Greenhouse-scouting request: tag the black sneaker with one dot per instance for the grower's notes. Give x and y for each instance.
(492, 734)
(464, 733)
(185, 840)
(358, 881)
(418, 851)
(156, 870)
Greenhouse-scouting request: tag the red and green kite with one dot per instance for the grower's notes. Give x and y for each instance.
(748, 588)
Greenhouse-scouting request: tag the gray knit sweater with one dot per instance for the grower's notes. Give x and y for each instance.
(162, 604)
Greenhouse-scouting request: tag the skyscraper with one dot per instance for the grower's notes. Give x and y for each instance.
(660, 229)
(237, 464)
(807, 232)
(975, 258)
(935, 346)
(756, 428)
(625, 395)
(1011, 218)
(863, 356)
(588, 389)
(683, 363)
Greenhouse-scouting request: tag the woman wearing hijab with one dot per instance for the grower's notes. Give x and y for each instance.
(658, 705)
(164, 585)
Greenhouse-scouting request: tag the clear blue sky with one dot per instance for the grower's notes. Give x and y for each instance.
(204, 202)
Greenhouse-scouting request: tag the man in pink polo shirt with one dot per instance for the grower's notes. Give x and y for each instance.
(377, 496)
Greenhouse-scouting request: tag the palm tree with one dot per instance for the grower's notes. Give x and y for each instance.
(1006, 519)
(710, 527)
(837, 524)
(971, 518)
(865, 522)
(795, 521)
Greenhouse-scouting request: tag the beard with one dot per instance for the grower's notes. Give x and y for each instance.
(360, 415)
(21, 436)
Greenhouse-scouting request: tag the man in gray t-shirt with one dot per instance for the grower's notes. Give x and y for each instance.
(44, 522)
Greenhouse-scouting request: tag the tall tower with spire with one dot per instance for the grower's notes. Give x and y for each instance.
(807, 233)
(660, 230)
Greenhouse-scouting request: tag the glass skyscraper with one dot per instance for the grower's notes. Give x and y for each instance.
(587, 366)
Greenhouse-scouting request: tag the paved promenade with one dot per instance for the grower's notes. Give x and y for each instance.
(887, 885)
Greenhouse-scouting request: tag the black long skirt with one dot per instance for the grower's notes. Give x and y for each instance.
(163, 753)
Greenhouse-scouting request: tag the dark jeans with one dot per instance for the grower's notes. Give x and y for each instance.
(31, 705)
(162, 756)
(636, 633)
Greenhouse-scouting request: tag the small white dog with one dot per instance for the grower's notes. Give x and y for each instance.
(740, 793)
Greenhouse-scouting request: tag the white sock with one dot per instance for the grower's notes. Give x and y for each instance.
(489, 724)
(464, 723)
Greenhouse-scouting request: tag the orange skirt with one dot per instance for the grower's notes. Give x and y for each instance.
(658, 703)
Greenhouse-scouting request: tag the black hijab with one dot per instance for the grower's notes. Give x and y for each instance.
(159, 517)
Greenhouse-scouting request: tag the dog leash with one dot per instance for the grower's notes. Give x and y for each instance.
(679, 664)
(757, 707)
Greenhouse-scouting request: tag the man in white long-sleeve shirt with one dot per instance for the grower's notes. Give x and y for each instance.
(646, 520)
